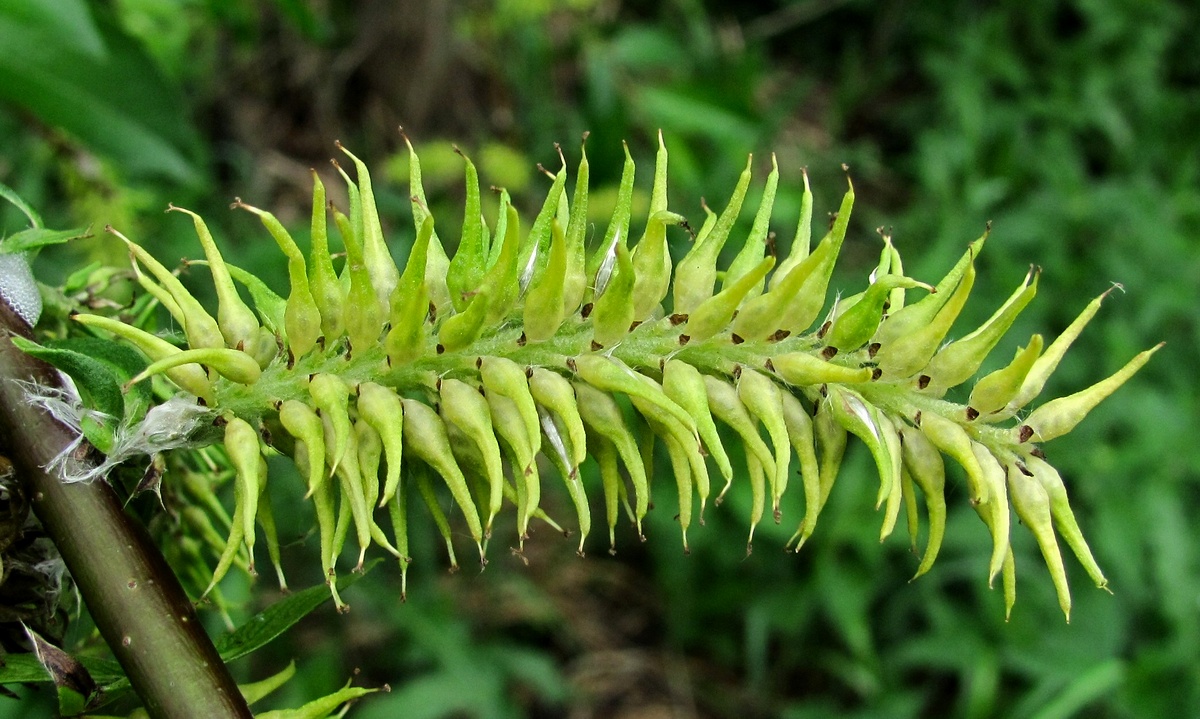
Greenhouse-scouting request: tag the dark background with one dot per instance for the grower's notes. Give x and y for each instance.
(1073, 126)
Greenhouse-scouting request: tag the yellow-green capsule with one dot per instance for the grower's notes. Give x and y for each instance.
(684, 446)
(323, 707)
(696, 273)
(233, 365)
(612, 313)
(601, 262)
(994, 392)
(323, 280)
(425, 436)
(398, 512)
(611, 480)
(241, 442)
(363, 318)
(865, 421)
(266, 520)
(800, 432)
(891, 440)
(501, 284)
(375, 255)
(651, 255)
(505, 377)
(544, 313)
(575, 278)
(994, 510)
(802, 241)
(405, 340)
(958, 361)
(762, 397)
(354, 508)
(684, 385)
(458, 331)
(725, 405)
(437, 264)
(190, 377)
(302, 318)
(1032, 505)
(370, 458)
(908, 342)
(554, 392)
(924, 464)
(1045, 365)
(470, 259)
(801, 369)
(380, 407)
(570, 476)
(1064, 517)
(425, 489)
(758, 500)
(713, 314)
(305, 426)
(601, 413)
(511, 429)
(1059, 416)
(199, 326)
(532, 256)
(237, 322)
(611, 375)
(750, 257)
(857, 323)
(463, 406)
(951, 439)
(831, 446)
(331, 395)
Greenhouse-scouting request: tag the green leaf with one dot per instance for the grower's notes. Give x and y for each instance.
(23, 669)
(279, 617)
(7, 193)
(71, 66)
(38, 237)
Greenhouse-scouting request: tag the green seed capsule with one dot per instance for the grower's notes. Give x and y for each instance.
(613, 311)
(543, 313)
(425, 489)
(652, 265)
(370, 458)
(1032, 505)
(532, 256)
(501, 283)
(684, 385)
(831, 447)
(1048, 361)
(575, 279)
(332, 397)
(398, 512)
(601, 413)
(241, 442)
(505, 377)
(758, 499)
(801, 369)
(924, 464)
(761, 396)
(800, 432)
(611, 480)
(405, 341)
(237, 322)
(323, 280)
(951, 439)
(463, 406)
(958, 361)
(302, 318)
(470, 259)
(553, 391)
(725, 405)
(1064, 517)
(305, 426)
(570, 476)
(993, 392)
(425, 436)
(751, 255)
(199, 326)
(857, 323)
(189, 377)
(1059, 416)
(601, 262)
(891, 440)
(865, 421)
(803, 239)
(683, 443)
(909, 341)
(354, 508)
(697, 271)
(714, 314)
(612, 375)
(994, 511)
(682, 467)
(514, 435)
(233, 365)
(380, 407)
(380, 266)
(457, 332)
(437, 264)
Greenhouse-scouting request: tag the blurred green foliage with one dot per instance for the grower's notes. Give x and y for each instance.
(1073, 125)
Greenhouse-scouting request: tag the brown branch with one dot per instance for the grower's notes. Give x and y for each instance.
(132, 595)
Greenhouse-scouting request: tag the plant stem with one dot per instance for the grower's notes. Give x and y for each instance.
(131, 593)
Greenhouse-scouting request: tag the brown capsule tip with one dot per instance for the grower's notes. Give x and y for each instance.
(923, 381)
(736, 338)
(388, 361)
(917, 418)
(829, 352)
(872, 349)
(678, 318)
(440, 348)
(278, 404)
(876, 374)
(662, 365)
(585, 311)
(737, 371)
(529, 372)
(571, 364)
(200, 401)
(432, 312)
(291, 359)
(972, 414)
(769, 365)
(684, 339)
(478, 363)
(780, 335)
(522, 340)
(1038, 452)
(1023, 469)
(1024, 433)
(585, 135)
(596, 346)
(634, 325)
(824, 328)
